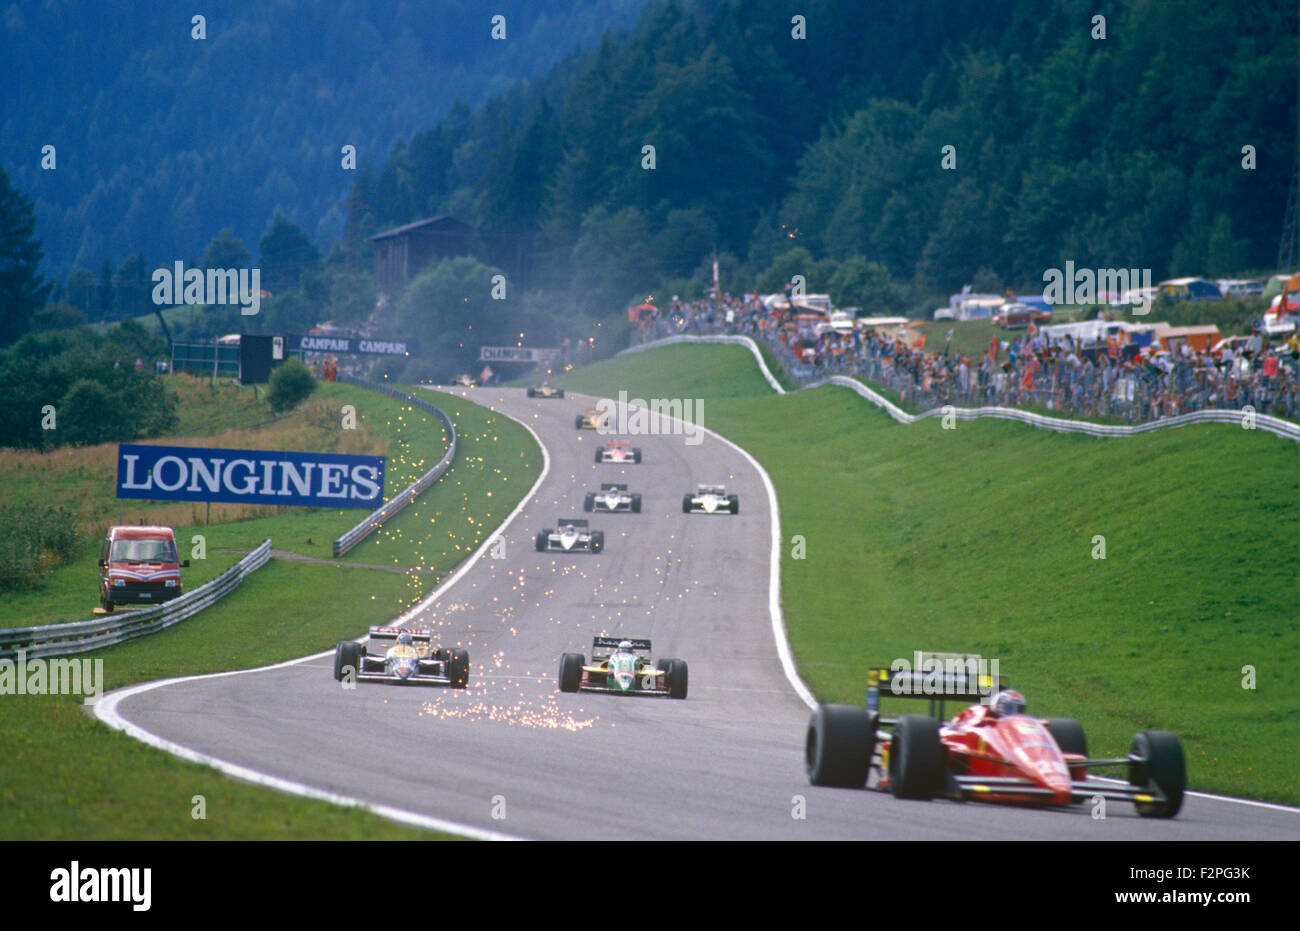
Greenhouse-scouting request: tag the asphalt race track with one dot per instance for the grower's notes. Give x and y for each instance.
(726, 763)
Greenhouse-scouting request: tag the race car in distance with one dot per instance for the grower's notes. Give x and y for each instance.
(400, 654)
(590, 419)
(710, 499)
(618, 451)
(989, 751)
(613, 498)
(622, 666)
(571, 534)
(465, 381)
(545, 390)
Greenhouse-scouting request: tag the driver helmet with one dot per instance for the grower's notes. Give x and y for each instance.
(404, 638)
(625, 646)
(1007, 702)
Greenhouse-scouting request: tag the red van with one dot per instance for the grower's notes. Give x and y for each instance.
(139, 565)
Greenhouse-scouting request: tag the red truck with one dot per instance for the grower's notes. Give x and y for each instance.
(139, 565)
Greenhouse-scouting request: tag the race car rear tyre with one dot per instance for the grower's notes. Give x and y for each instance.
(675, 677)
(734, 501)
(1157, 764)
(686, 504)
(571, 671)
(597, 541)
(458, 668)
(1068, 734)
(577, 422)
(636, 504)
(541, 540)
(598, 459)
(839, 744)
(916, 758)
(347, 656)
(532, 393)
(589, 502)
(560, 393)
(636, 454)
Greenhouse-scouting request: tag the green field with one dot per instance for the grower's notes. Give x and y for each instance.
(65, 776)
(981, 540)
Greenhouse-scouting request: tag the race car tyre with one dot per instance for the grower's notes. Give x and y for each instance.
(532, 393)
(686, 504)
(675, 677)
(347, 655)
(636, 504)
(839, 744)
(1068, 734)
(560, 393)
(734, 502)
(636, 454)
(598, 459)
(916, 758)
(541, 540)
(589, 502)
(458, 668)
(1157, 763)
(597, 541)
(577, 422)
(571, 671)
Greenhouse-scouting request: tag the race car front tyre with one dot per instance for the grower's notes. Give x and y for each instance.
(636, 504)
(571, 671)
(560, 393)
(597, 541)
(598, 459)
(541, 540)
(686, 504)
(458, 668)
(839, 744)
(1157, 763)
(734, 502)
(589, 502)
(532, 393)
(675, 677)
(636, 454)
(1068, 734)
(347, 659)
(916, 758)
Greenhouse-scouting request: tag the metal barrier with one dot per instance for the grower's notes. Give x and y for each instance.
(376, 518)
(82, 636)
(1270, 424)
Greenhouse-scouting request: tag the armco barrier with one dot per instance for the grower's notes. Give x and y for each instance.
(81, 636)
(1266, 422)
(376, 518)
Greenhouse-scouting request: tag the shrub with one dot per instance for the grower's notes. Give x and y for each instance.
(291, 384)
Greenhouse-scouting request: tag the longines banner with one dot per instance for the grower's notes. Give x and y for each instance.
(249, 476)
(351, 345)
(515, 354)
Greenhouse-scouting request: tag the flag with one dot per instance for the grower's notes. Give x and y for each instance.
(1027, 380)
(920, 341)
(1112, 347)
(485, 375)
(1033, 329)
(948, 337)
(993, 348)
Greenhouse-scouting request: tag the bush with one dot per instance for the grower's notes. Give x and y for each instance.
(32, 542)
(291, 384)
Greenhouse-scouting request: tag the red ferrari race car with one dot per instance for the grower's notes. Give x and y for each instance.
(991, 751)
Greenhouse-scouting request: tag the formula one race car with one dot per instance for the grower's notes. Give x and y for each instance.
(711, 499)
(465, 381)
(612, 497)
(618, 451)
(571, 534)
(545, 390)
(591, 419)
(622, 666)
(399, 654)
(991, 751)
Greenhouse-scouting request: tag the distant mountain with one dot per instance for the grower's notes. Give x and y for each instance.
(162, 139)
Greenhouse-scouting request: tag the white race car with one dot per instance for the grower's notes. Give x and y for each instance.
(613, 498)
(711, 499)
(570, 535)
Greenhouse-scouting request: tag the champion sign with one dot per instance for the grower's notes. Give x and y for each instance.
(249, 476)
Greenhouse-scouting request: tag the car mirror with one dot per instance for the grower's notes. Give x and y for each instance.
(102, 564)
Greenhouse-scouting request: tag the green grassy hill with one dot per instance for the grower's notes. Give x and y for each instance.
(981, 539)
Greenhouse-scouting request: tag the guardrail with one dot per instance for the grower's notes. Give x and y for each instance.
(375, 519)
(1266, 422)
(82, 636)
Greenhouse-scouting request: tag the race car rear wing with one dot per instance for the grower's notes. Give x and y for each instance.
(936, 677)
(611, 643)
(384, 637)
(570, 522)
(611, 486)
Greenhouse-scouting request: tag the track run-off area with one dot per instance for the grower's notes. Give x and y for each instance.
(512, 756)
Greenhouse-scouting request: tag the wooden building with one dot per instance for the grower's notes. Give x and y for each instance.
(403, 252)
